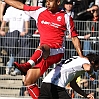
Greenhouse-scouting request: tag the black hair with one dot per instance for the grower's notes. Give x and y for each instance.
(94, 60)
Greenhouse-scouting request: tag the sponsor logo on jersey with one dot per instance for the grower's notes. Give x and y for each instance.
(50, 24)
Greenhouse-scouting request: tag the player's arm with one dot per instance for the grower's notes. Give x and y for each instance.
(20, 5)
(15, 3)
(74, 34)
(77, 45)
(75, 87)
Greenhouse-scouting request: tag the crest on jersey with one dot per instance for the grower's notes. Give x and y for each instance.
(59, 18)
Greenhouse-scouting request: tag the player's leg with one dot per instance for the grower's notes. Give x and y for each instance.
(45, 91)
(34, 91)
(41, 51)
(30, 79)
(34, 73)
(63, 94)
(32, 76)
(57, 92)
(50, 91)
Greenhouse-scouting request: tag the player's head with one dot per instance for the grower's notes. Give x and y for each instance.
(94, 60)
(52, 5)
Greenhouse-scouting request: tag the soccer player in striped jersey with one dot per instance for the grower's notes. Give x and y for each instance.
(68, 71)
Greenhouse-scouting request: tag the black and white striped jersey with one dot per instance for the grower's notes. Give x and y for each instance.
(66, 71)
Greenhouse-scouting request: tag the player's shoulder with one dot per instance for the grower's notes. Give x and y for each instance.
(10, 8)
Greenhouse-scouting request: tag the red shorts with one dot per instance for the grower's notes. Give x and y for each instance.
(45, 63)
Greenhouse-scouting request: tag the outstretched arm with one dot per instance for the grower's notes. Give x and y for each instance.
(15, 3)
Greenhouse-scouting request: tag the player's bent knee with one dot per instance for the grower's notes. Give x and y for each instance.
(32, 76)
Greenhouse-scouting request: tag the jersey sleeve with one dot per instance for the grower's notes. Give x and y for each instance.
(30, 8)
(70, 26)
(33, 12)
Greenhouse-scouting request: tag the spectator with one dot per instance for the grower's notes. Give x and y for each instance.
(92, 26)
(97, 2)
(2, 10)
(95, 7)
(36, 2)
(68, 71)
(68, 7)
(82, 6)
(51, 26)
(41, 3)
(18, 25)
(31, 2)
(3, 7)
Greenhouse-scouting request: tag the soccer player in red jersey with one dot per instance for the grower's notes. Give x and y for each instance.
(52, 24)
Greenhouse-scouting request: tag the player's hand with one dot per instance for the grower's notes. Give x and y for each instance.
(90, 96)
(2, 33)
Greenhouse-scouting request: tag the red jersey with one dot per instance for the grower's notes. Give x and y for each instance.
(51, 26)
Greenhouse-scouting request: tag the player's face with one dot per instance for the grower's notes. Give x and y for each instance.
(52, 5)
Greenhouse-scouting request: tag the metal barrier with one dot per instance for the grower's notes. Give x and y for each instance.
(32, 41)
